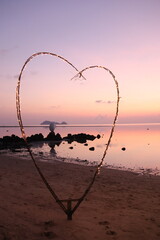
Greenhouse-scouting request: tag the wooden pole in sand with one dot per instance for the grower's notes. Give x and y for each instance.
(69, 210)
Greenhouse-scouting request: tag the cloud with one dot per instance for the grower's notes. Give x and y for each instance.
(55, 106)
(99, 101)
(110, 102)
(5, 51)
(106, 102)
(101, 117)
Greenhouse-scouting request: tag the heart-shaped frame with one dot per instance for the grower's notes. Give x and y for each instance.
(68, 210)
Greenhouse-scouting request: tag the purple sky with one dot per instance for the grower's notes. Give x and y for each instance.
(122, 35)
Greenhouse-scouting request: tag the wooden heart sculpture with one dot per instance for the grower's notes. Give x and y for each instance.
(68, 210)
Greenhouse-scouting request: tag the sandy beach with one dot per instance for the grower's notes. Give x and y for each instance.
(121, 205)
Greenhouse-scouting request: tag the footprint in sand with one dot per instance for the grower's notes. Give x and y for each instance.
(47, 233)
(110, 232)
(106, 224)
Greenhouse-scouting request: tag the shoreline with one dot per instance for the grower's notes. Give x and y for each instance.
(120, 205)
(49, 159)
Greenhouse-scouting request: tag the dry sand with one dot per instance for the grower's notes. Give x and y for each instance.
(121, 205)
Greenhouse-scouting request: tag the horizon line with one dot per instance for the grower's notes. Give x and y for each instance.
(84, 124)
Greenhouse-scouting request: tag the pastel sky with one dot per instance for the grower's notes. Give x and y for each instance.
(122, 35)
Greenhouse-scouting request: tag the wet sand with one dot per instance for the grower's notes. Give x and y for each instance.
(121, 205)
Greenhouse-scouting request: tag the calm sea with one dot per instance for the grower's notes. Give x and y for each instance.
(141, 143)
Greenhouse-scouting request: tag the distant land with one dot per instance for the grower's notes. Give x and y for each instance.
(46, 122)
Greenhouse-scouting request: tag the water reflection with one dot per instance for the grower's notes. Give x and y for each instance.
(141, 143)
(52, 145)
(37, 144)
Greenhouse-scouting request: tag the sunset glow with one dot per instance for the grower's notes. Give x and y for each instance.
(124, 38)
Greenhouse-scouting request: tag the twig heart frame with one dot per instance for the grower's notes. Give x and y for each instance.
(68, 210)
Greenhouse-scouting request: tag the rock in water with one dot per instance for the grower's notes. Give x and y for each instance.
(91, 148)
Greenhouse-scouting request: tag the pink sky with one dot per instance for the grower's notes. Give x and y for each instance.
(120, 35)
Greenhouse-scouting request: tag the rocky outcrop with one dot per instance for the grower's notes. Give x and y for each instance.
(15, 142)
(11, 142)
(81, 137)
(53, 137)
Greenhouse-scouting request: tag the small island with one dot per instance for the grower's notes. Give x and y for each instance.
(47, 122)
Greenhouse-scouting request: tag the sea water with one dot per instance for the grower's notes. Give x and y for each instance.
(134, 147)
